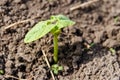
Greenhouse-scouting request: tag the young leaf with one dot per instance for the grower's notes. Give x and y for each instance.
(64, 23)
(56, 68)
(38, 31)
(112, 51)
(60, 68)
(59, 17)
(1, 72)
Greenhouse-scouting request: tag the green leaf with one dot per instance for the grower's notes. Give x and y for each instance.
(38, 31)
(1, 72)
(60, 68)
(54, 24)
(56, 68)
(64, 23)
(61, 22)
(59, 17)
(112, 51)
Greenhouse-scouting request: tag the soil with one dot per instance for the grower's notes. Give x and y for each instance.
(98, 24)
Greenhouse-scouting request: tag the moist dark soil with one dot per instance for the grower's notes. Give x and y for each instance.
(84, 49)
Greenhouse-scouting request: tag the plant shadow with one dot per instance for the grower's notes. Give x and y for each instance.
(76, 54)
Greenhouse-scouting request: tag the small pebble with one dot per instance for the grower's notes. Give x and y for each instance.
(17, 1)
(23, 6)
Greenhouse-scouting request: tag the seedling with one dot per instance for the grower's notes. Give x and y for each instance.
(54, 26)
(1, 72)
(56, 68)
(113, 51)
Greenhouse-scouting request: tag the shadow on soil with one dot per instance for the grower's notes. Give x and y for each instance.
(76, 54)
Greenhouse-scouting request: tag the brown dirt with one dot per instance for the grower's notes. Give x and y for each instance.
(98, 24)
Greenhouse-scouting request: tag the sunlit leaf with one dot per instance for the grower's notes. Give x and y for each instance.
(52, 25)
(38, 31)
(64, 23)
(59, 17)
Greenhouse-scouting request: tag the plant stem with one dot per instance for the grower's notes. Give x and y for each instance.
(55, 41)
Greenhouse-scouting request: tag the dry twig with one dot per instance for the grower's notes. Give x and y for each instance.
(86, 4)
(48, 64)
(19, 22)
